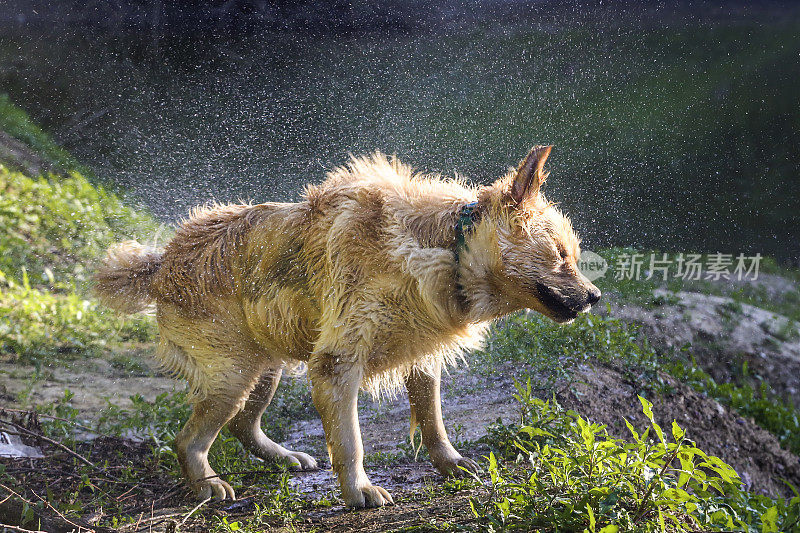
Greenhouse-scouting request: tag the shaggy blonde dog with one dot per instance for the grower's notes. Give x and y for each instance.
(377, 278)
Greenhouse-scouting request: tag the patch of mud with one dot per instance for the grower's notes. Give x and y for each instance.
(419, 512)
(95, 383)
(397, 479)
(470, 403)
(423, 509)
(724, 335)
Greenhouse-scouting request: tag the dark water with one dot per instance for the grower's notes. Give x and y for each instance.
(673, 132)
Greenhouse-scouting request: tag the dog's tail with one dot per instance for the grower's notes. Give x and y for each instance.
(124, 280)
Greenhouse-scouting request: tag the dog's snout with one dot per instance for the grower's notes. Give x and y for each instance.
(594, 295)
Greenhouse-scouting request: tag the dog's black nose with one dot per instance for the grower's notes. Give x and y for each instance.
(594, 296)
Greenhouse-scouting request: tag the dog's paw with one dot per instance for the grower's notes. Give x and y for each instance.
(368, 496)
(465, 467)
(453, 464)
(299, 461)
(213, 488)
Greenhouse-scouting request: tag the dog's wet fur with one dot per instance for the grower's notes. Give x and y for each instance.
(365, 282)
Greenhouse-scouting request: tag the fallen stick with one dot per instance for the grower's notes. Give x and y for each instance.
(21, 530)
(190, 513)
(51, 417)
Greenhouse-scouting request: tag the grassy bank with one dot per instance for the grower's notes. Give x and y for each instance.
(55, 228)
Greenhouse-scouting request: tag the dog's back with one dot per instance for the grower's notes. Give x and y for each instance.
(254, 280)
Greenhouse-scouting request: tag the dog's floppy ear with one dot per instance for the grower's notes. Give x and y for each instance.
(529, 176)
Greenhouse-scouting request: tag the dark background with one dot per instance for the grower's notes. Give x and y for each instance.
(676, 126)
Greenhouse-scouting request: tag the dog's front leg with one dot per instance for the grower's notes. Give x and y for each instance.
(426, 410)
(335, 386)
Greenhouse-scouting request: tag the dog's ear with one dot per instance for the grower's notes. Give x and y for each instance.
(529, 176)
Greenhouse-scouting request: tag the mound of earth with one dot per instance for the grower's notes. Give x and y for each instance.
(725, 336)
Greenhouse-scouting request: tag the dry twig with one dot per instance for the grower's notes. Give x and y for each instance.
(21, 530)
(190, 513)
(51, 417)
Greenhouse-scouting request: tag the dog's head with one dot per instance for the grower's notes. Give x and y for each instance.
(536, 249)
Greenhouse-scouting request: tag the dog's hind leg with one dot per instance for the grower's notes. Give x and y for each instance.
(424, 395)
(246, 426)
(195, 439)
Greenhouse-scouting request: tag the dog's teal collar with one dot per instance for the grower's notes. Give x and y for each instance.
(467, 217)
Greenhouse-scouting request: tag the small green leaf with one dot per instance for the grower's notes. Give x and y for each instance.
(535, 432)
(647, 408)
(633, 431)
(677, 495)
(677, 432)
(769, 520)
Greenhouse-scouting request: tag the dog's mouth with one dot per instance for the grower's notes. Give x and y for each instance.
(560, 308)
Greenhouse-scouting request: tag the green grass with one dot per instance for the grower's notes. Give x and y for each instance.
(55, 229)
(552, 351)
(553, 471)
(39, 326)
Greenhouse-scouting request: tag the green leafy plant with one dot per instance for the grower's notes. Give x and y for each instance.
(564, 473)
(39, 324)
(55, 229)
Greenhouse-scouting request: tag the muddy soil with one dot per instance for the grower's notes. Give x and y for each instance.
(471, 401)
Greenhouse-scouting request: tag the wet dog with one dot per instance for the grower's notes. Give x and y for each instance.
(377, 278)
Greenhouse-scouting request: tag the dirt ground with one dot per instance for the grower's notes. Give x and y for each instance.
(472, 399)
(95, 383)
(470, 402)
